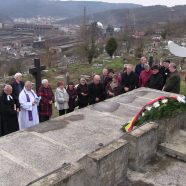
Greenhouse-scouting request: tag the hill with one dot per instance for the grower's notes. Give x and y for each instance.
(139, 17)
(31, 8)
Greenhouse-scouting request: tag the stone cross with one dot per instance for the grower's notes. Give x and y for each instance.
(36, 72)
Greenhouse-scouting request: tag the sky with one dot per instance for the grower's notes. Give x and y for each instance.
(148, 2)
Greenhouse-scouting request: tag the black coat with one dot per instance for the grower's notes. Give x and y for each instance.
(15, 89)
(96, 91)
(138, 69)
(130, 81)
(72, 98)
(9, 120)
(165, 73)
(117, 90)
(173, 83)
(156, 81)
(82, 100)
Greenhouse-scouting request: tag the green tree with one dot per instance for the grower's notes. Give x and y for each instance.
(111, 46)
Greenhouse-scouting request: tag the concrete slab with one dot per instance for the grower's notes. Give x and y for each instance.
(176, 147)
(14, 173)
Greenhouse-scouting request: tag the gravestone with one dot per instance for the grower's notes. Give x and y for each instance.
(36, 72)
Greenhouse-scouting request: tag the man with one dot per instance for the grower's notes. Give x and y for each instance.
(29, 101)
(82, 92)
(8, 111)
(173, 81)
(96, 91)
(104, 75)
(17, 85)
(47, 98)
(108, 79)
(145, 76)
(140, 66)
(164, 70)
(129, 79)
(156, 79)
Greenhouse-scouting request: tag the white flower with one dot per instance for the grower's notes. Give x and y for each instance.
(156, 104)
(143, 114)
(181, 99)
(164, 101)
(148, 108)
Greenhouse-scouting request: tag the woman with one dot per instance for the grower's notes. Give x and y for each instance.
(9, 109)
(62, 98)
(113, 88)
(145, 76)
(82, 91)
(72, 97)
(47, 98)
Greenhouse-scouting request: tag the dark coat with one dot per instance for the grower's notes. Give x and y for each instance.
(130, 81)
(15, 89)
(96, 91)
(165, 73)
(138, 69)
(72, 98)
(156, 81)
(106, 81)
(9, 120)
(47, 95)
(173, 83)
(117, 90)
(82, 100)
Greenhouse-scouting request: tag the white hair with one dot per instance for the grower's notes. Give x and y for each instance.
(44, 81)
(18, 74)
(28, 83)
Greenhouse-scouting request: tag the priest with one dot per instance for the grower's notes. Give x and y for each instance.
(9, 108)
(29, 102)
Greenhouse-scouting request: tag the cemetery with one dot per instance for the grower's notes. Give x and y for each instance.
(88, 147)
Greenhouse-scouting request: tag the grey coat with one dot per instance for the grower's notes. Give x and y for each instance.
(62, 98)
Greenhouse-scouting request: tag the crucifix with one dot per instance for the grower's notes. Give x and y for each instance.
(36, 72)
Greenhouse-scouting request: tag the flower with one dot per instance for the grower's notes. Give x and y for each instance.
(148, 108)
(156, 104)
(181, 99)
(164, 101)
(143, 114)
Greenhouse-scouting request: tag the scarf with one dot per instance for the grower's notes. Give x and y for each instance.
(30, 116)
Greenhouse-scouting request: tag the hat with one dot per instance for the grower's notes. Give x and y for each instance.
(70, 83)
(155, 67)
(167, 61)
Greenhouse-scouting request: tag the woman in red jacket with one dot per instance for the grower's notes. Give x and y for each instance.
(145, 76)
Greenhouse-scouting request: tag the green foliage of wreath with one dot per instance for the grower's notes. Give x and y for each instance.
(166, 110)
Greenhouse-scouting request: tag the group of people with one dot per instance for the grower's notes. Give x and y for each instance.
(21, 107)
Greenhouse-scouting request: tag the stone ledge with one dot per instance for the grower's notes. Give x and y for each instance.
(143, 145)
(107, 150)
(69, 175)
(108, 165)
(140, 131)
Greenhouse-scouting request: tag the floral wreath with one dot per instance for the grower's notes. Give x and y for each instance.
(158, 108)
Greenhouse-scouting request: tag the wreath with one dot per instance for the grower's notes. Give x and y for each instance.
(162, 107)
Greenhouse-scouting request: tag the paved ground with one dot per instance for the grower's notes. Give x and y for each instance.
(162, 171)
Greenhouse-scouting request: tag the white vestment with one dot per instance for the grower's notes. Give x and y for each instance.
(24, 119)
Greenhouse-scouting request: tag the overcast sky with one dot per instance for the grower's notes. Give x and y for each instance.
(148, 2)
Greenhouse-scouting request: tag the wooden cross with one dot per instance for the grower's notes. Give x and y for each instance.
(36, 72)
